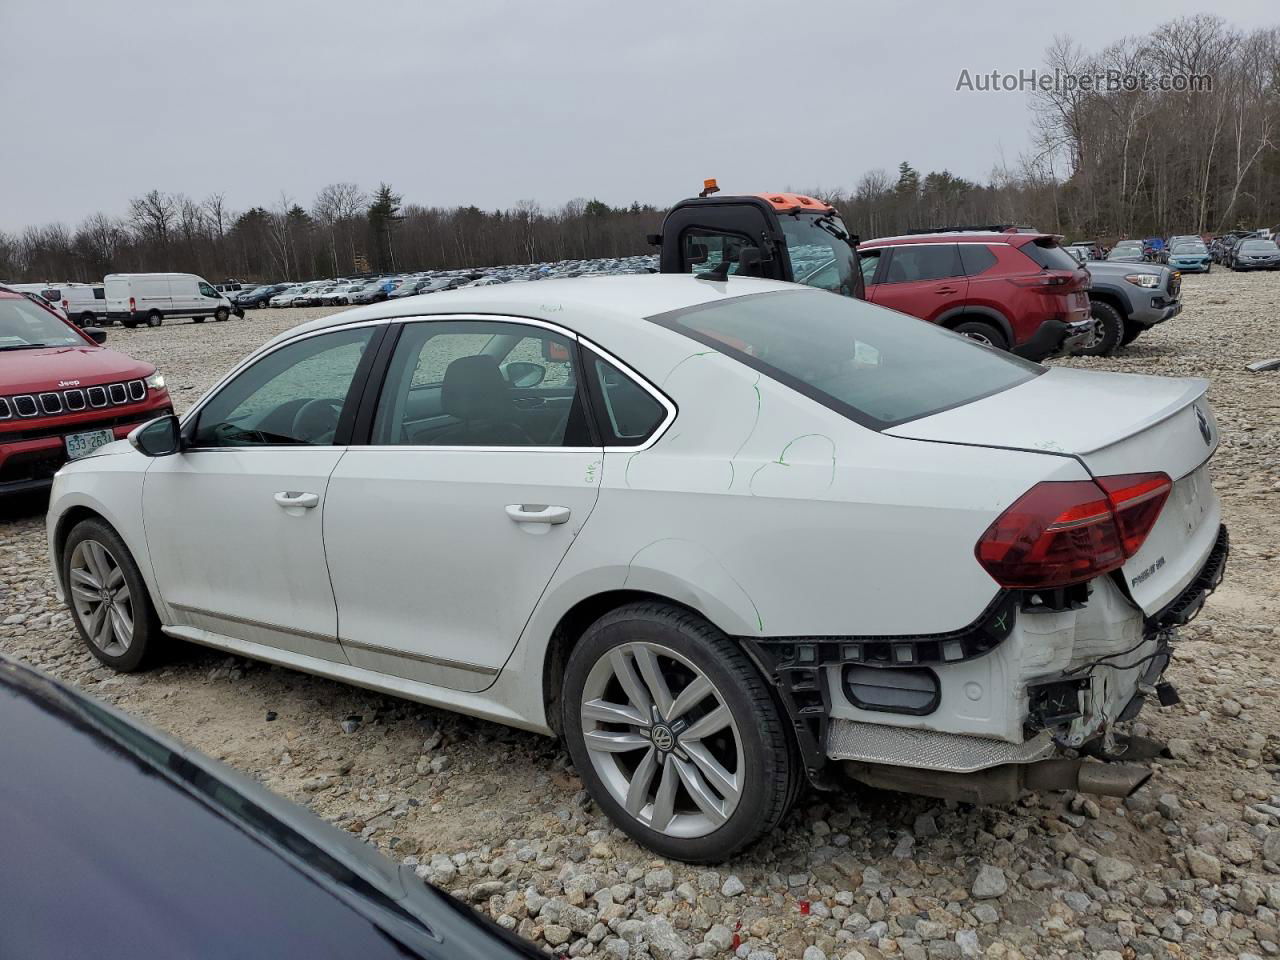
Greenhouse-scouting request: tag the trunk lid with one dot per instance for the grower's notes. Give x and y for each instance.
(1113, 424)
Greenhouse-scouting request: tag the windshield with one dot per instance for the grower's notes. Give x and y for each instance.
(1125, 253)
(24, 325)
(874, 366)
(1259, 246)
(820, 253)
(1189, 248)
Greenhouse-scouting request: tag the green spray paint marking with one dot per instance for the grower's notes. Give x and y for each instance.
(754, 423)
(692, 356)
(782, 459)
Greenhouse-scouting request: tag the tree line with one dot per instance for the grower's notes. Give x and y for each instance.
(1105, 163)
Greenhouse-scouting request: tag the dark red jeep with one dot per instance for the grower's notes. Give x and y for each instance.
(62, 394)
(1014, 290)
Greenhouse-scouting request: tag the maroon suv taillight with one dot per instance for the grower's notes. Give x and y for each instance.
(1064, 532)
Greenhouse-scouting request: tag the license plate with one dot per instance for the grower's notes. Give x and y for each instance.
(82, 444)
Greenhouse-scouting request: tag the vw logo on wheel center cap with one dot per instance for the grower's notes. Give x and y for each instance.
(663, 738)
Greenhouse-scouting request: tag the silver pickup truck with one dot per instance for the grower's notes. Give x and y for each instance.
(1127, 298)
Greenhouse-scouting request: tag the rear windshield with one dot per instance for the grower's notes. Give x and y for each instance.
(1049, 255)
(875, 366)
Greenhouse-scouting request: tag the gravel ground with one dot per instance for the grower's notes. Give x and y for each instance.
(1189, 867)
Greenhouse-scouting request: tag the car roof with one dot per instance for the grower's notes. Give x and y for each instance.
(957, 236)
(588, 305)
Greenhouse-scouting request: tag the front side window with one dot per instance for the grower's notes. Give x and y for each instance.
(207, 291)
(481, 383)
(912, 263)
(820, 253)
(294, 395)
(24, 326)
(874, 366)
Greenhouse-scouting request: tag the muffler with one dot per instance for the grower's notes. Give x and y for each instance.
(1106, 779)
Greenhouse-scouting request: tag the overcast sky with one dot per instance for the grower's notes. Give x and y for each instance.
(486, 102)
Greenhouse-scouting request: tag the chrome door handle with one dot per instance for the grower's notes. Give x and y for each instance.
(527, 513)
(289, 499)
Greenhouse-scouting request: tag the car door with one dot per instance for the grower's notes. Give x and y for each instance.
(443, 531)
(921, 279)
(234, 521)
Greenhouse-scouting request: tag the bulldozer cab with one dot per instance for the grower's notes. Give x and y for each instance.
(779, 236)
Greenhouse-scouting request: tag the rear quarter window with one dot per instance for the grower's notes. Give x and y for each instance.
(976, 258)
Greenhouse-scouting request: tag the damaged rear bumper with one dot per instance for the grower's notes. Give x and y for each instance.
(1034, 675)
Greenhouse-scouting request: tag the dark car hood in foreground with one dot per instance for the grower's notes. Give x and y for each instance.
(119, 842)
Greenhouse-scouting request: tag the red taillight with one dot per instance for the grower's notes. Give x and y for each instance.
(1059, 533)
(1136, 500)
(133, 305)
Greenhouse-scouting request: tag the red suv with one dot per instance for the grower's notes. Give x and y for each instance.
(1013, 290)
(61, 394)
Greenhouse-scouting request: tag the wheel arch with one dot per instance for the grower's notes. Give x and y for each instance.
(958, 315)
(1115, 301)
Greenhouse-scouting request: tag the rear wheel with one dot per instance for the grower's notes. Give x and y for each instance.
(983, 333)
(154, 319)
(108, 597)
(1107, 332)
(129, 324)
(675, 734)
(86, 319)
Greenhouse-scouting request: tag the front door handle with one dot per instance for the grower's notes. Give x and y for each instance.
(530, 513)
(306, 501)
(942, 290)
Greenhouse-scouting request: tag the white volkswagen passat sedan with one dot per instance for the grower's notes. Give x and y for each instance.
(724, 537)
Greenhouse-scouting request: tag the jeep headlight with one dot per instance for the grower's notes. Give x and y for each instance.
(1143, 279)
(155, 381)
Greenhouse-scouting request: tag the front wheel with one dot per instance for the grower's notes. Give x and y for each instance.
(1106, 333)
(108, 597)
(221, 314)
(675, 734)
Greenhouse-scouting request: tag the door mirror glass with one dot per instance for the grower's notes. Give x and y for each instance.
(524, 374)
(96, 334)
(158, 438)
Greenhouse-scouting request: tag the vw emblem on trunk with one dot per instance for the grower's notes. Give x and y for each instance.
(663, 738)
(1204, 426)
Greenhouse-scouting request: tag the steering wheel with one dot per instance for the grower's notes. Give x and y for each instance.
(316, 421)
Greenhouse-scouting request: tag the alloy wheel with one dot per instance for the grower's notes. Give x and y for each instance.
(979, 338)
(662, 739)
(100, 595)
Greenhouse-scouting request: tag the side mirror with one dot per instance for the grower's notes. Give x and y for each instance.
(697, 253)
(158, 438)
(524, 374)
(96, 334)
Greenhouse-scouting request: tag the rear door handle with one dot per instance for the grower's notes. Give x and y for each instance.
(289, 499)
(528, 513)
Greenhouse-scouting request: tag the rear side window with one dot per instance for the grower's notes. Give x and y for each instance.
(99, 293)
(626, 413)
(874, 366)
(924, 261)
(976, 259)
(1049, 256)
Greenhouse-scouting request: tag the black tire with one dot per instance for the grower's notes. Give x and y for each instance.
(86, 319)
(197, 319)
(1208, 270)
(221, 314)
(1131, 333)
(146, 637)
(1109, 330)
(128, 324)
(769, 765)
(154, 318)
(983, 333)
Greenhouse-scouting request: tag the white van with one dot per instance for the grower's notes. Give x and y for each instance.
(152, 298)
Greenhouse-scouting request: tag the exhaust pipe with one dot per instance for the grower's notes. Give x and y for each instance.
(1106, 779)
